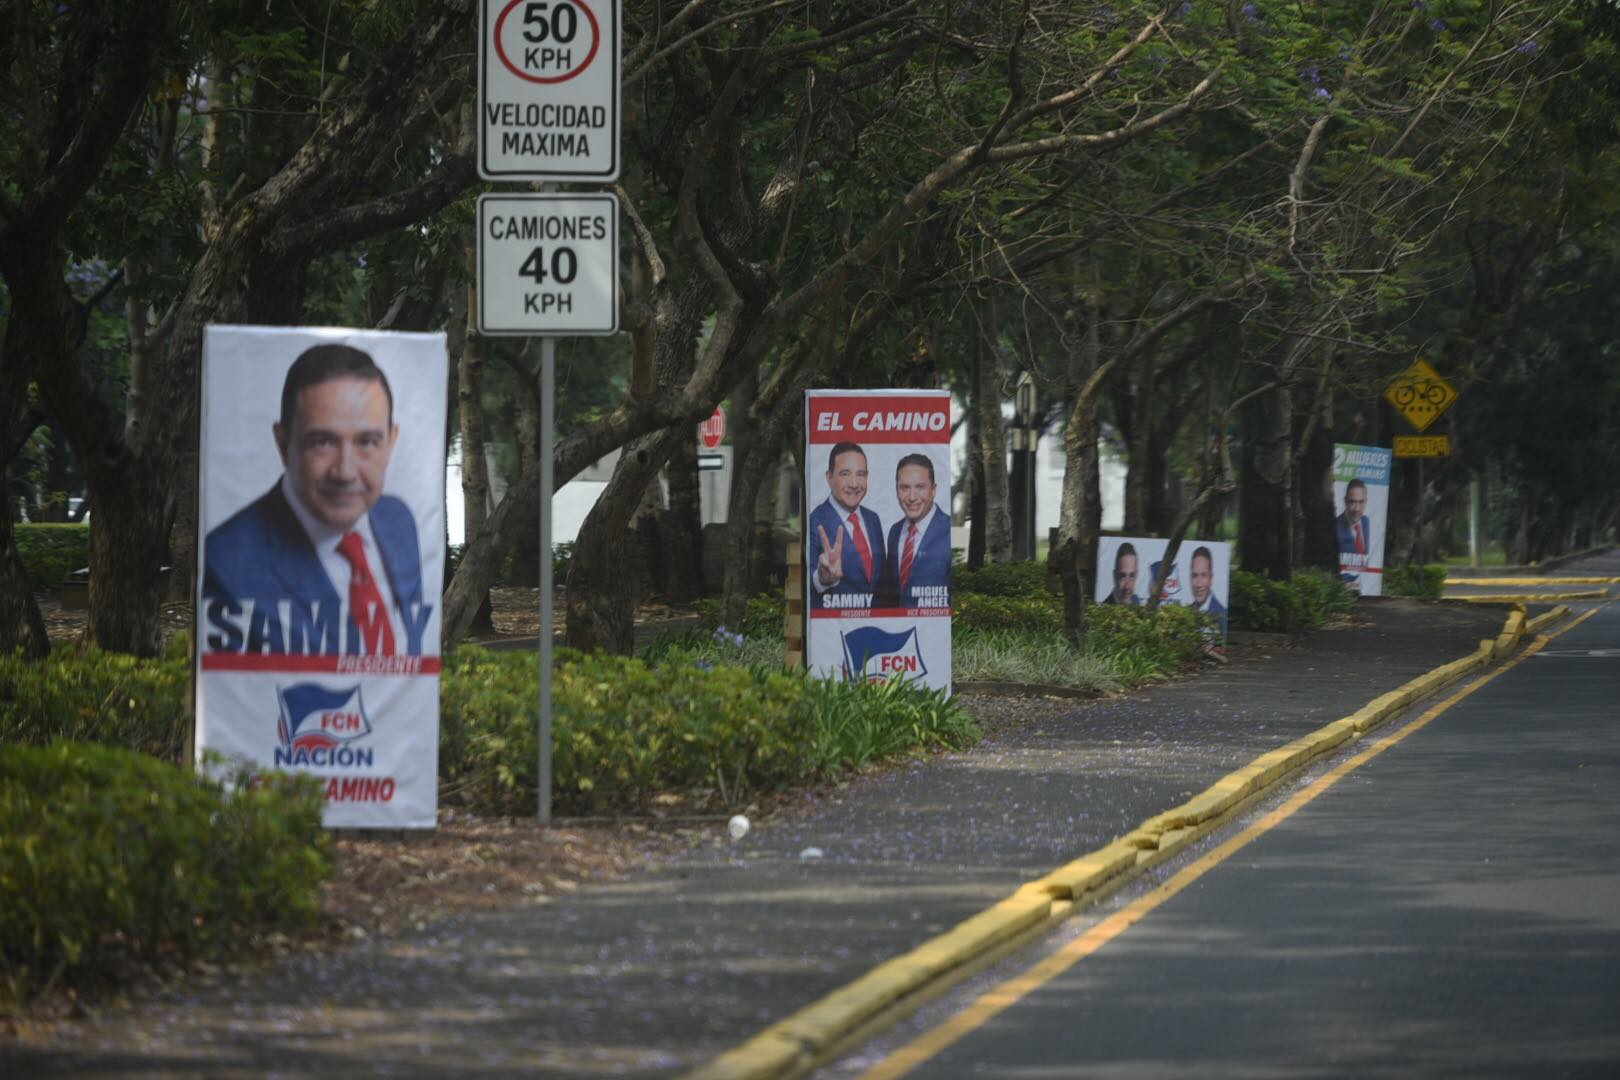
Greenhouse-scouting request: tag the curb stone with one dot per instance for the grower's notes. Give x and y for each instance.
(811, 1036)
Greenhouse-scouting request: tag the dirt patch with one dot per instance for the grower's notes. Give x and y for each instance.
(387, 881)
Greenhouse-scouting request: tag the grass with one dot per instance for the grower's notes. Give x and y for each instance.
(858, 723)
(1032, 657)
(1017, 656)
(1491, 555)
(713, 647)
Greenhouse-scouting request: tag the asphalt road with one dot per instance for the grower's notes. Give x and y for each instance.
(1451, 907)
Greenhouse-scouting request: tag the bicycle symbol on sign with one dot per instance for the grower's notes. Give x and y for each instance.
(1420, 394)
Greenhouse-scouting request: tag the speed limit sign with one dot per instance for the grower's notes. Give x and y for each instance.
(548, 90)
(548, 264)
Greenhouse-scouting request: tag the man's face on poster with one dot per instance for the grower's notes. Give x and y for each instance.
(914, 488)
(338, 449)
(847, 479)
(1124, 578)
(1355, 503)
(1203, 575)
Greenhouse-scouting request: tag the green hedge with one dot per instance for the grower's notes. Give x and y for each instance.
(50, 552)
(1303, 602)
(1026, 579)
(1416, 580)
(109, 857)
(975, 612)
(95, 696)
(626, 729)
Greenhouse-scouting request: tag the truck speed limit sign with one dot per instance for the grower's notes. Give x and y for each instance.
(548, 90)
(548, 265)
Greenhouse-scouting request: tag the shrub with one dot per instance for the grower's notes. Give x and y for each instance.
(1027, 579)
(1416, 580)
(1143, 643)
(1023, 656)
(51, 552)
(712, 714)
(625, 729)
(860, 722)
(764, 617)
(972, 612)
(109, 856)
(95, 696)
(1301, 603)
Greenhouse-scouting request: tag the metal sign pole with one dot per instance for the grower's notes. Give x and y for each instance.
(548, 366)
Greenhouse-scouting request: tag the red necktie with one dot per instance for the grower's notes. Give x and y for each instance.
(861, 547)
(909, 554)
(365, 599)
(1361, 548)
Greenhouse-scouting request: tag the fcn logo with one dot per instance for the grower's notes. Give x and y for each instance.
(878, 655)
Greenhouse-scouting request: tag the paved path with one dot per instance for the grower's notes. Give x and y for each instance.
(659, 971)
(1450, 908)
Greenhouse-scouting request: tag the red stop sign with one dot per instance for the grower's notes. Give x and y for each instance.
(712, 430)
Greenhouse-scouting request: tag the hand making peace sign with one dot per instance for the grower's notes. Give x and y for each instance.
(830, 566)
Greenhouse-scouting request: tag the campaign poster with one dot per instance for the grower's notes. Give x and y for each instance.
(877, 535)
(1361, 476)
(1199, 578)
(320, 562)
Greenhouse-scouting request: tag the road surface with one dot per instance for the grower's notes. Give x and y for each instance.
(1447, 907)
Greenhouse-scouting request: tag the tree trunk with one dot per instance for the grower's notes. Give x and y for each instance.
(753, 501)
(1139, 448)
(992, 440)
(469, 366)
(765, 565)
(601, 602)
(742, 429)
(682, 578)
(1261, 532)
(21, 625)
(525, 546)
(1074, 556)
(129, 534)
(182, 585)
(1321, 540)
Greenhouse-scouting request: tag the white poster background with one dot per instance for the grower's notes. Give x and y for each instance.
(388, 775)
(1178, 586)
(925, 655)
(1373, 466)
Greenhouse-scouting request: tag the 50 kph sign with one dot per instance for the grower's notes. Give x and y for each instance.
(548, 264)
(548, 90)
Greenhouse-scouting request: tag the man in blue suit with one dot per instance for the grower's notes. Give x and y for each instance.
(846, 539)
(323, 562)
(1355, 534)
(1203, 581)
(917, 572)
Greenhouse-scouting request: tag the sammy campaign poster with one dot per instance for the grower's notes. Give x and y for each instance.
(1199, 578)
(1361, 476)
(877, 534)
(320, 558)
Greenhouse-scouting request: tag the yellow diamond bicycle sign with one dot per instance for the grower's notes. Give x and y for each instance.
(1420, 394)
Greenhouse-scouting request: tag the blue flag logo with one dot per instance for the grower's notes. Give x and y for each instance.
(314, 717)
(878, 655)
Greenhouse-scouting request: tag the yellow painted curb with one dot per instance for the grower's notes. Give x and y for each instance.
(1546, 619)
(1534, 581)
(1534, 598)
(1511, 634)
(798, 1043)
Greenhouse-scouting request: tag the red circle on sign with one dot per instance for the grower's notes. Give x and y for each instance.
(596, 45)
(712, 430)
